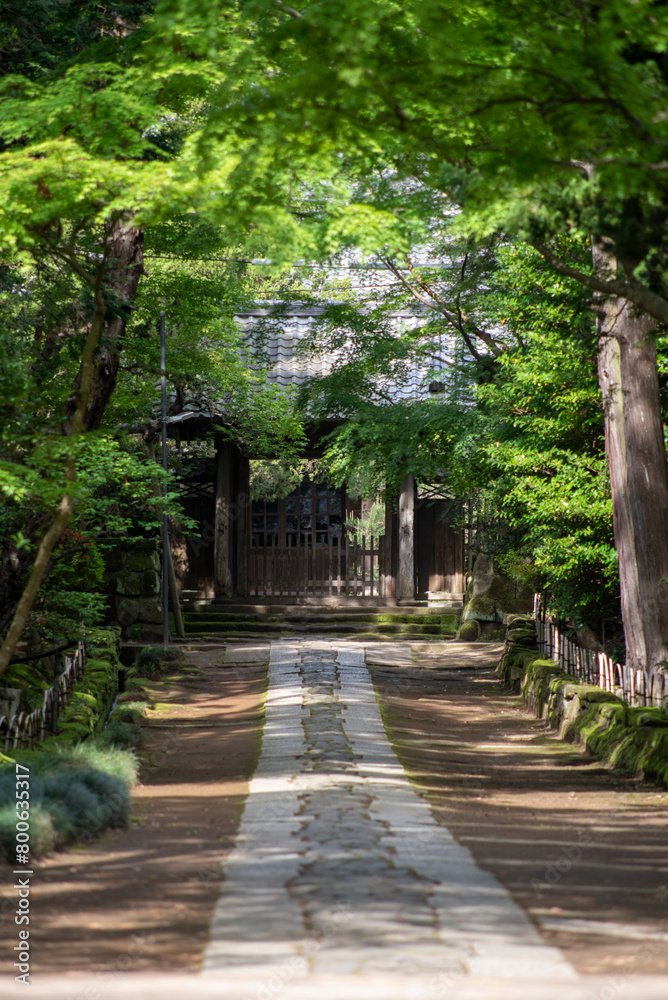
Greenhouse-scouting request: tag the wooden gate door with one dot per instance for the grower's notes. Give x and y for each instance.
(299, 548)
(336, 567)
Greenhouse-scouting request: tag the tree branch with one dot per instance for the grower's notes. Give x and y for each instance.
(289, 10)
(631, 289)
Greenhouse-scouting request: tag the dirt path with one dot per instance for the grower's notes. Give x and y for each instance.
(142, 898)
(583, 850)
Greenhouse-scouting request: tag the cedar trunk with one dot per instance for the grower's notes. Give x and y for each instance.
(636, 451)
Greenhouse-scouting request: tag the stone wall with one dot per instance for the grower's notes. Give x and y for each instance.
(633, 740)
(492, 596)
(132, 582)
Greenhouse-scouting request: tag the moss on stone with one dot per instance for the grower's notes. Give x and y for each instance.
(594, 694)
(632, 740)
(139, 561)
(650, 718)
(468, 631)
(481, 608)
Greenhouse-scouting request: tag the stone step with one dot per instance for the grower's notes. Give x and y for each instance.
(375, 637)
(317, 608)
(389, 631)
(225, 621)
(218, 618)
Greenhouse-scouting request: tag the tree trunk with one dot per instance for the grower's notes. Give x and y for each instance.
(63, 512)
(635, 446)
(125, 256)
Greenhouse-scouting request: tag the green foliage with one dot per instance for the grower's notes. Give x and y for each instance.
(153, 661)
(371, 524)
(121, 734)
(273, 479)
(75, 793)
(522, 434)
(539, 119)
(229, 133)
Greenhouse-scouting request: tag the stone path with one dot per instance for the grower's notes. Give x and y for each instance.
(339, 866)
(340, 883)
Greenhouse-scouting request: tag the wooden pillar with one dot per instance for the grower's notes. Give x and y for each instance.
(242, 501)
(406, 588)
(222, 544)
(390, 547)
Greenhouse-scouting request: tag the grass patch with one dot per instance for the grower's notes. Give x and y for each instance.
(75, 794)
(153, 661)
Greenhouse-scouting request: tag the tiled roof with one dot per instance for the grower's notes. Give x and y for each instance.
(277, 339)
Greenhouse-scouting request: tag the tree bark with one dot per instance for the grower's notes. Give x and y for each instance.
(125, 266)
(627, 370)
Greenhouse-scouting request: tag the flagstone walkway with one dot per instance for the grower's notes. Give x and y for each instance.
(339, 866)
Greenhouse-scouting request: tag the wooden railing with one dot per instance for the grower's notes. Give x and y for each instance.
(340, 567)
(637, 687)
(24, 729)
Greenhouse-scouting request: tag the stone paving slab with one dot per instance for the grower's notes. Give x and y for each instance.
(456, 655)
(395, 654)
(287, 983)
(339, 867)
(241, 655)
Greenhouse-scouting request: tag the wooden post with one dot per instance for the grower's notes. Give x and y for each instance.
(407, 540)
(373, 565)
(243, 524)
(363, 566)
(222, 572)
(388, 586)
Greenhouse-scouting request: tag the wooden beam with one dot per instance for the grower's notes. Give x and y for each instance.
(407, 540)
(222, 548)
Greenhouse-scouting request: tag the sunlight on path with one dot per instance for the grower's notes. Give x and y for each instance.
(339, 867)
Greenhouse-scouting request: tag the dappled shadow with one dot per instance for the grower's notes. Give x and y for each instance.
(567, 836)
(141, 898)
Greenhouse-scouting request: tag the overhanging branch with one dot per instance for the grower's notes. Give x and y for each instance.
(633, 290)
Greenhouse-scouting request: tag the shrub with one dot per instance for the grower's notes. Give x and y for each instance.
(152, 661)
(75, 792)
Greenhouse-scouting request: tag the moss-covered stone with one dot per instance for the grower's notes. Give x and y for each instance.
(468, 631)
(138, 561)
(513, 621)
(591, 693)
(480, 608)
(633, 740)
(650, 718)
